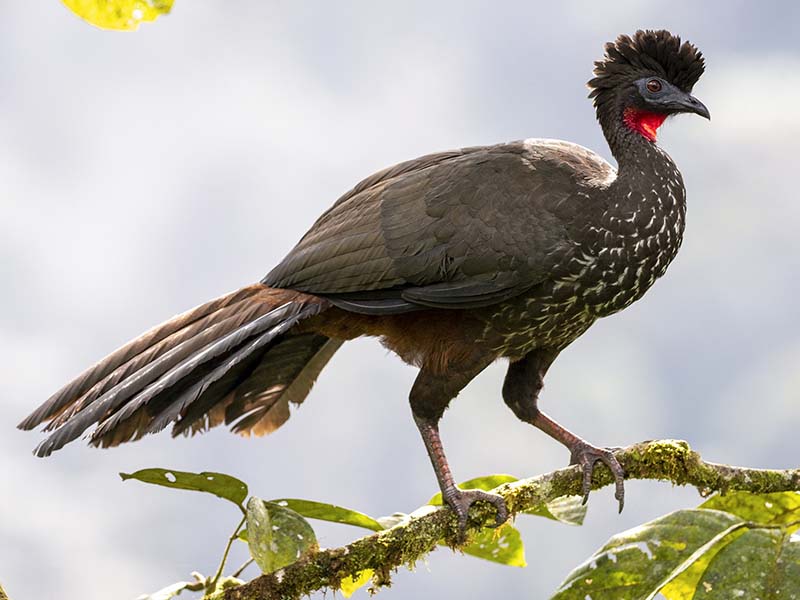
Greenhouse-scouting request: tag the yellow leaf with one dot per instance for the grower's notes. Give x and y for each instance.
(350, 585)
(119, 15)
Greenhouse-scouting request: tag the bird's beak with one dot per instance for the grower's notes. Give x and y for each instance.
(683, 102)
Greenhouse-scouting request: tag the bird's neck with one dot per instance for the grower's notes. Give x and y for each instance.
(633, 144)
(646, 174)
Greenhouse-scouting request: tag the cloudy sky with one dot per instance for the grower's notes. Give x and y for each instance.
(141, 174)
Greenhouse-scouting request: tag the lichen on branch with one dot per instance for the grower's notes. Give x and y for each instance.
(411, 541)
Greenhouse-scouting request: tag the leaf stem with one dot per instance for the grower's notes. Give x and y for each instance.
(239, 571)
(212, 585)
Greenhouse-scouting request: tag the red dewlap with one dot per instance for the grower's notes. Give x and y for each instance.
(646, 123)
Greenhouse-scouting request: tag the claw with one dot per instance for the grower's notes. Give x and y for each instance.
(461, 500)
(587, 456)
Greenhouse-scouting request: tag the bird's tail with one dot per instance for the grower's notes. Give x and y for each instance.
(237, 360)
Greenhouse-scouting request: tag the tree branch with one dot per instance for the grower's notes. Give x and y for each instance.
(405, 544)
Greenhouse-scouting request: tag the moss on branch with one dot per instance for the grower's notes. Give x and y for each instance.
(409, 542)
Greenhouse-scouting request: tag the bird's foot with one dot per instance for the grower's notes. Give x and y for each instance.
(461, 500)
(587, 456)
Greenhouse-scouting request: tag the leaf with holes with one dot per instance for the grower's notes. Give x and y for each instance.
(219, 484)
(329, 512)
(276, 535)
(761, 563)
(120, 15)
(503, 545)
(778, 508)
(637, 563)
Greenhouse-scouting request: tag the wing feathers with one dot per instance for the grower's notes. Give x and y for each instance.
(493, 220)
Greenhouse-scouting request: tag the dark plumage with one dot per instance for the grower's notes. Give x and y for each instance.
(454, 260)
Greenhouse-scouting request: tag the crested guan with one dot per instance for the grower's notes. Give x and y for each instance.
(453, 260)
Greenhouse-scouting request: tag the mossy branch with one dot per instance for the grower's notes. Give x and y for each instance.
(407, 543)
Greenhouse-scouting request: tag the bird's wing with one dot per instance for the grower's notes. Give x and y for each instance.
(452, 230)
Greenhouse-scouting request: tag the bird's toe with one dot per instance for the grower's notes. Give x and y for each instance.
(461, 500)
(587, 456)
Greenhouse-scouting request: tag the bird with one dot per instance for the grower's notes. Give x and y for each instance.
(454, 260)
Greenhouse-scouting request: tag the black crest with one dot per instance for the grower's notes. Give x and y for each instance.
(647, 52)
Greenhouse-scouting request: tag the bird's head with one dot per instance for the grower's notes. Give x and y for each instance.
(645, 78)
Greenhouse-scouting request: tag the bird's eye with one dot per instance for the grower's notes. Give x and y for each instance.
(654, 85)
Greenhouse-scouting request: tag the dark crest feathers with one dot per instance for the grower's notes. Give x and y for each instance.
(647, 52)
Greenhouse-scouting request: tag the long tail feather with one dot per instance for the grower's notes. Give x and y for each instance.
(282, 323)
(185, 371)
(86, 380)
(153, 377)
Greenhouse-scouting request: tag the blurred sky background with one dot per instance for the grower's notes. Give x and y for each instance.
(144, 173)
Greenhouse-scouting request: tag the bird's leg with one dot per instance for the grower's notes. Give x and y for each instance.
(584, 454)
(457, 499)
(524, 381)
(429, 397)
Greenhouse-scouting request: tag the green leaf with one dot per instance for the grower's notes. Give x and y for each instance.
(219, 484)
(502, 546)
(350, 584)
(120, 15)
(276, 535)
(778, 508)
(739, 545)
(486, 483)
(685, 584)
(329, 512)
(567, 509)
(761, 563)
(772, 509)
(636, 564)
